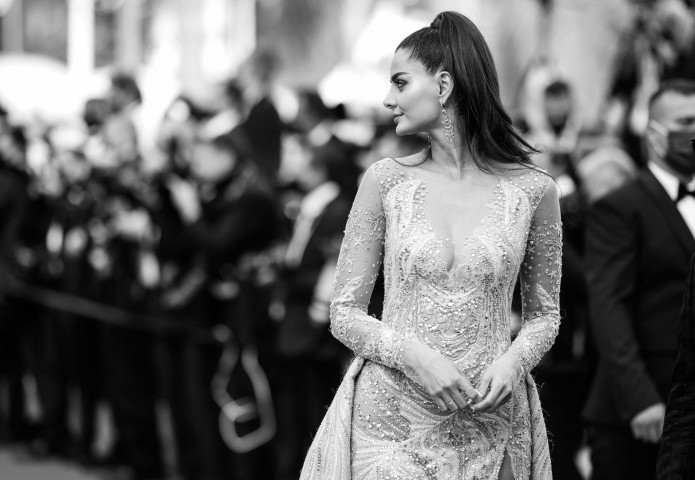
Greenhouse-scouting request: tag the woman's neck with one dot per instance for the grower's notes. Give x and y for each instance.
(453, 157)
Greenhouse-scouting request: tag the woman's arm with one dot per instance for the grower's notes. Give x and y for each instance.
(540, 296)
(540, 276)
(361, 254)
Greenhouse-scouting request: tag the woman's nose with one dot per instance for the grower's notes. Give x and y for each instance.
(389, 101)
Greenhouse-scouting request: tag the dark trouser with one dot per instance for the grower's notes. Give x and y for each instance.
(617, 455)
(185, 372)
(70, 358)
(305, 389)
(57, 348)
(561, 394)
(130, 393)
(18, 347)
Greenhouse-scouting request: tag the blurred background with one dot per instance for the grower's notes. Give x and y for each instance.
(175, 177)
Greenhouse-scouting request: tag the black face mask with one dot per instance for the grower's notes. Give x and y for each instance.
(679, 153)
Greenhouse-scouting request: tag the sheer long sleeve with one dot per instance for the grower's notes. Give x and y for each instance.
(360, 257)
(540, 287)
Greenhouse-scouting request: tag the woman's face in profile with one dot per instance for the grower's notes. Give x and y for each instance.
(413, 97)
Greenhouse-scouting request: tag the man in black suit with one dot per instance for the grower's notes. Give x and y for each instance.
(677, 450)
(638, 242)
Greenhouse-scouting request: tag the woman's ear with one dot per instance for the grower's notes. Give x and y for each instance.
(446, 86)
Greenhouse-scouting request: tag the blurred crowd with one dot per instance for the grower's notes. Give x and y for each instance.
(181, 311)
(198, 288)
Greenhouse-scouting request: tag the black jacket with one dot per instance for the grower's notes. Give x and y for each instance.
(677, 450)
(637, 252)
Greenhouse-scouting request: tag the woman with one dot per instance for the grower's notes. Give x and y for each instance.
(438, 389)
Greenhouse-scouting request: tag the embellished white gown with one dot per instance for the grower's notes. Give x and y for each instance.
(455, 298)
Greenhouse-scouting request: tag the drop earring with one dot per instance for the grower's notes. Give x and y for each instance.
(446, 123)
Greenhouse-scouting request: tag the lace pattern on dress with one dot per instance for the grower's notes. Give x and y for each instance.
(461, 309)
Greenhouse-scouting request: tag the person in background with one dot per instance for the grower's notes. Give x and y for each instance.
(180, 296)
(119, 130)
(128, 283)
(263, 126)
(179, 130)
(315, 119)
(604, 168)
(228, 215)
(556, 132)
(563, 371)
(14, 202)
(69, 343)
(639, 239)
(232, 113)
(677, 450)
(14, 191)
(308, 353)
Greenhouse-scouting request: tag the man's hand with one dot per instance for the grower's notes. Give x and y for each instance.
(648, 424)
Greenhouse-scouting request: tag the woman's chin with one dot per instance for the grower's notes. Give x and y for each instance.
(402, 130)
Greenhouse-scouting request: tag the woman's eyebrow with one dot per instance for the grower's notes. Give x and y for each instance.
(395, 76)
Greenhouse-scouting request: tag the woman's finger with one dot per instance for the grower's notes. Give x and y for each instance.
(502, 398)
(484, 386)
(448, 401)
(468, 391)
(455, 394)
(489, 401)
(440, 404)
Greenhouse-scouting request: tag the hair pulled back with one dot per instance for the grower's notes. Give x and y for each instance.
(454, 44)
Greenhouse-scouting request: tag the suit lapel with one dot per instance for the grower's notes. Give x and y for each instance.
(668, 211)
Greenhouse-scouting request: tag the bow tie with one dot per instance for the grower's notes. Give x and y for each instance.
(684, 192)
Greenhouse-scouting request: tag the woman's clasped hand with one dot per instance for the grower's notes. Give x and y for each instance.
(445, 383)
(497, 384)
(451, 389)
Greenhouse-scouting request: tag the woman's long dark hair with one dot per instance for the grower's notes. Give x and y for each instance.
(454, 44)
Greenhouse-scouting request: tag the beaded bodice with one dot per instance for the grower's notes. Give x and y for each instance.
(460, 307)
(450, 270)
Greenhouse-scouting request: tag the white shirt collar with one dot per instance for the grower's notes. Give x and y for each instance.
(668, 180)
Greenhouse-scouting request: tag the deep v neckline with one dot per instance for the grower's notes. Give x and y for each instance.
(475, 233)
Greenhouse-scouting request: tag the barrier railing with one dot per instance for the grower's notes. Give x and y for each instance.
(232, 411)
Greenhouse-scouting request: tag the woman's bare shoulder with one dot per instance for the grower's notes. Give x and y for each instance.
(413, 160)
(396, 162)
(399, 164)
